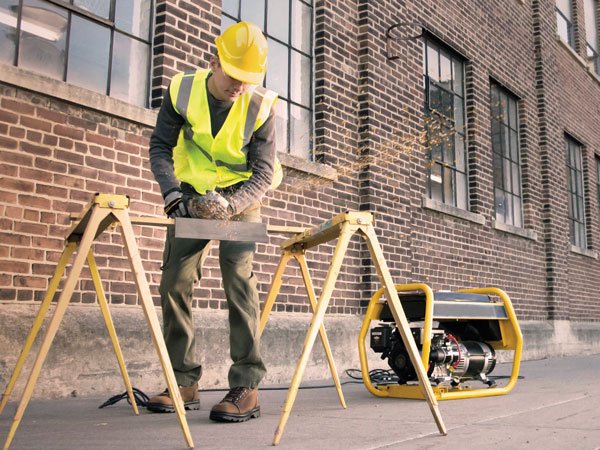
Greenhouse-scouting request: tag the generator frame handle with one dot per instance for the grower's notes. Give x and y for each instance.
(512, 339)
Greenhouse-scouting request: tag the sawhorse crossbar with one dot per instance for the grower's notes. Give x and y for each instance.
(341, 227)
(102, 212)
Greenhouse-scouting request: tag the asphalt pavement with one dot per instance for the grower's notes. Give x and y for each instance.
(554, 405)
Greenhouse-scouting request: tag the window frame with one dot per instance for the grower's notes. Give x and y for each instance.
(576, 192)
(290, 48)
(568, 21)
(448, 168)
(597, 160)
(509, 156)
(109, 23)
(591, 55)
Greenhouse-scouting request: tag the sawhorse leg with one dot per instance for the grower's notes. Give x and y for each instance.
(152, 319)
(272, 295)
(385, 277)
(97, 220)
(39, 319)
(61, 306)
(315, 325)
(111, 328)
(343, 227)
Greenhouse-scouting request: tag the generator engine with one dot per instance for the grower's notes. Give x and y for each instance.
(451, 360)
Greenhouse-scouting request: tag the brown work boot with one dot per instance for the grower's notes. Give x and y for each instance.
(240, 404)
(163, 403)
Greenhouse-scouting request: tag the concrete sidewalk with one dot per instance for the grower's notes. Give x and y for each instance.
(555, 406)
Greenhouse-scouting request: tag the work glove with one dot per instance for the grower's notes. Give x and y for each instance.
(175, 205)
(211, 205)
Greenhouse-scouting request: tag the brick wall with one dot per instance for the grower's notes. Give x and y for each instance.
(369, 127)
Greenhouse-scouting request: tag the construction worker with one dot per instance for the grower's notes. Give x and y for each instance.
(213, 155)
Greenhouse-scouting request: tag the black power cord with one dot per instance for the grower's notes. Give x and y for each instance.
(377, 376)
(141, 399)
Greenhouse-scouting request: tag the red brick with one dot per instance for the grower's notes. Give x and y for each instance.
(17, 184)
(36, 124)
(35, 149)
(7, 143)
(16, 106)
(98, 163)
(52, 116)
(98, 139)
(34, 201)
(12, 266)
(69, 132)
(82, 123)
(17, 133)
(8, 117)
(129, 148)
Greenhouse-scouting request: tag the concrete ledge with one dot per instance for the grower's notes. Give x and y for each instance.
(312, 168)
(523, 232)
(584, 252)
(434, 205)
(81, 361)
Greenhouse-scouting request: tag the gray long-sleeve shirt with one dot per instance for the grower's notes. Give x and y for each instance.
(260, 156)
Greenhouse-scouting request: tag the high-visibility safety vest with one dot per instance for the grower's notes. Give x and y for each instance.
(206, 162)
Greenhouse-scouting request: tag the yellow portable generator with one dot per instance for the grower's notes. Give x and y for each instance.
(457, 333)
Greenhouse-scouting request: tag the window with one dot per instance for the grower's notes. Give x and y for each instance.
(103, 46)
(591, 34)
(288, 26)
(445, 125)
(598, 180)
(564, 21)
(576, 199)
(506, 157)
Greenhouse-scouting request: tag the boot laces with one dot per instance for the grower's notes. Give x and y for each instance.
(236, 394)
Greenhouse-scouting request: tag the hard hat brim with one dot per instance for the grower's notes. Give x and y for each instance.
(241, 75)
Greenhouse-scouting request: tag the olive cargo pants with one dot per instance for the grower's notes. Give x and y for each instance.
(181, 270)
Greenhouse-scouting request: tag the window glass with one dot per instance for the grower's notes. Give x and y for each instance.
(300, 83)
(128, 83)
(231, 7)
(276, 27)
(8, 30)
(226, 22)
(43, 38)
(254, 11)
(445, 125)
(133, 17)
(50, 30)
(301, 26)
(564, 6)
(457, 67)
(88, 62)
(433, 65)
(98, 7)
(598, 180)
(436, 182)
(281, 123)
(506, 156)
(576, 210)
(445, 71)
(564, 21)
(300, 131)
(277, 71)
(448, 186)
(591, 32)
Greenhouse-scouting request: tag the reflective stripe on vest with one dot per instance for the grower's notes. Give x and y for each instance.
(206, 162)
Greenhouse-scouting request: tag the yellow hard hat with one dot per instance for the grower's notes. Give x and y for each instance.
(243, 52)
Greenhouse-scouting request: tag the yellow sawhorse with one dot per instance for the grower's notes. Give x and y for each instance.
(102, 212)
(341, 227)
